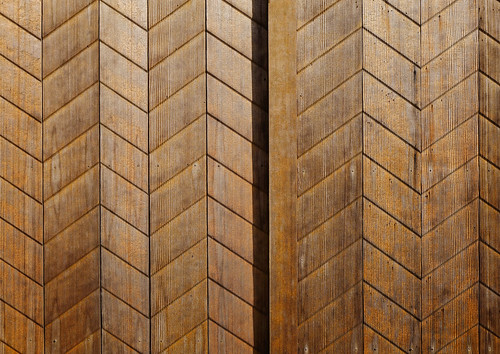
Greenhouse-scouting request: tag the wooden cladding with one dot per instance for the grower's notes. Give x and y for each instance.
(134, 183)
(391, 248)
(175, 179)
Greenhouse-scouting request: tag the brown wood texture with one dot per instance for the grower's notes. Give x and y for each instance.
(413, 112)
(243, 176)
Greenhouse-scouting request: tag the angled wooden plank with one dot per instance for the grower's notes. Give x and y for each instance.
(393, 28)
(65, 291)
(20, 169)
(178, 277)
(312, 86)
(392, 237)
(59, 90)
(19, 128)
(172, 157)
(166, 246)
(70, 38)
(450, 280)
(124, 240)
(173, 322)
(132, 86)
(21, 333)
(404, 76)
(176, 30)
(328, 155)
(328, 29)
(71, 121)
(381, 145)
(448, 112)
(124, 159)
(71, 162)
(124, 322)
(454, 318)
(112, 27)
(20, 46)
(459, 19)
(328, 240)
(238, 276)
(329, 196)
(26, 14)
(237, 234)
(322, 329)
(449, 153)
(391, 110)
(391, 321)
(390, 194)
(450, 237)
(69, 246)
(379, 271)
(123, 118)
(21, 252)
(62, 335)
(71, 203)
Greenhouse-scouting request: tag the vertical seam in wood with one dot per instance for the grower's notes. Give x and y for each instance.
(420, 321)
(149, 184)
(100, 175)
(479, 177)
(43, 172)
(206, 175)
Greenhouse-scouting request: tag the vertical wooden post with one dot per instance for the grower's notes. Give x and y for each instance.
(282, 175)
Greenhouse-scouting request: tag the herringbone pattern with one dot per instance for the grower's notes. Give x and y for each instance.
(177, 105)
(237, 179)
(329, 170)
(71, 173)
(21, 221)
(421, 176)
(489, 175)
(124, 177)
(392, 178)
(450, 178)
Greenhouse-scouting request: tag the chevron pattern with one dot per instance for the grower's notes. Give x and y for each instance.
(392, 178)
(71, 173)
(420, 176)
(237, 180)
(21, 195)
(124, 176)
(178, 206)
(329, 171)
(489, 175)
(450, 176)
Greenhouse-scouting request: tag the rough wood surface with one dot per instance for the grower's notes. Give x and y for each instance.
(175, 178)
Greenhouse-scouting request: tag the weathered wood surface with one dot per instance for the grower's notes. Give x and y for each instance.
(148, 203)
(427, 73)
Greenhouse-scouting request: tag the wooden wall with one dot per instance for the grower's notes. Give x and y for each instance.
(393, 108)
(148, 203)
(134, 176)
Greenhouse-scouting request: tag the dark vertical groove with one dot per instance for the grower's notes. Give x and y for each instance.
(206, 172)
(100, 176)
(149, 185)
(421, 173)
(362, 183)
(43, 173)
(479, 179)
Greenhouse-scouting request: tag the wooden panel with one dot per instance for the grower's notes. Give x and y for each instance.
(124, 179)
(282, 176)
(237, 177)
(71, 174)
(21, 178)
(177, 176)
